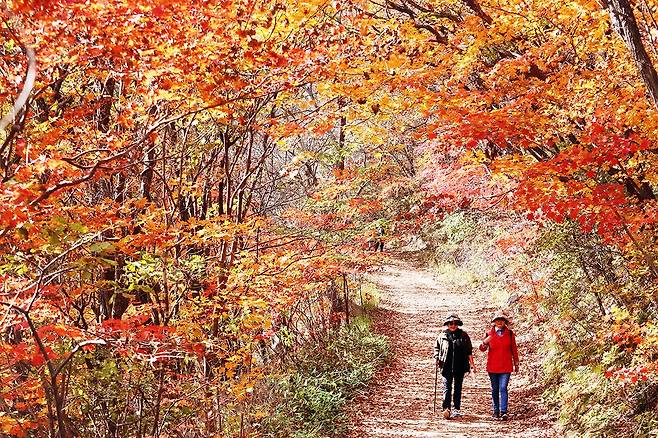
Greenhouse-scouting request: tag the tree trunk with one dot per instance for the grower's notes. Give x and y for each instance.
(624, 23)
(148, 168)
(339, 164)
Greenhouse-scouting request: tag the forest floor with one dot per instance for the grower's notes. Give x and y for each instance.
(399, 400)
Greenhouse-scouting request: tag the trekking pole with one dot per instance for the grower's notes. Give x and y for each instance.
(436, 379)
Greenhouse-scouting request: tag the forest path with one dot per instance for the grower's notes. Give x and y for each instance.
(399, 400)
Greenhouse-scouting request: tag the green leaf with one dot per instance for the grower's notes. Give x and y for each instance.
(79, 227)
(101, 247)
(109, 262)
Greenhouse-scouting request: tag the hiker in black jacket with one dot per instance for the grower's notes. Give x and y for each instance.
(454, 353)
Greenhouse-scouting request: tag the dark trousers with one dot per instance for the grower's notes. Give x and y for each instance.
(452, 388)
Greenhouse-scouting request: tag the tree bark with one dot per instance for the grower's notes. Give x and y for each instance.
(625, 24)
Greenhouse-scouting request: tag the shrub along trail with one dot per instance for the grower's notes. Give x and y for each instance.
(398, 402)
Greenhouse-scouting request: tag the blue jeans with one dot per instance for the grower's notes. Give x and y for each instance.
(448, 392)
(499, 383)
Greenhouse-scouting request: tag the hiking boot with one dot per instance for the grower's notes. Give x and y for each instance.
(504, 416)
(456, 413)
(495, 416)
(446, 413)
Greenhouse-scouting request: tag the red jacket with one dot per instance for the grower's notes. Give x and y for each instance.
(503, 353)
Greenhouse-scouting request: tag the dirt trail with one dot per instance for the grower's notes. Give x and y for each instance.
(398, 403)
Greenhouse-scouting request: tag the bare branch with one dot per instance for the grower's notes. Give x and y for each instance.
(28, 84)
(77, 348)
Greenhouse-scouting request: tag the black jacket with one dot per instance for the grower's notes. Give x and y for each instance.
(459, 350)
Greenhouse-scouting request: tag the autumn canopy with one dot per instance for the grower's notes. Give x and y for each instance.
(185, 184)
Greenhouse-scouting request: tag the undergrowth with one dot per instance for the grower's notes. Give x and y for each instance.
(589, 315)
(462, 250)
(591, 301)
(307, 400)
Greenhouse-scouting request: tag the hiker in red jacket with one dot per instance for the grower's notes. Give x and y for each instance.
(503, 357)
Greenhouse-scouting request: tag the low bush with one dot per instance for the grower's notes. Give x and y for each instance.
(598, 314)
(307, 401)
